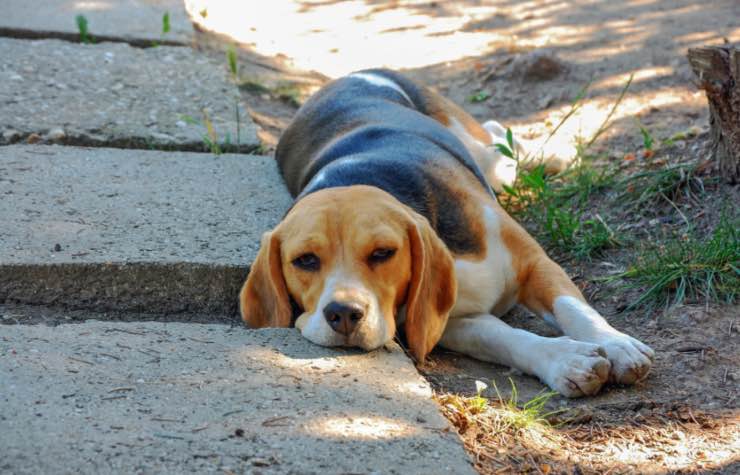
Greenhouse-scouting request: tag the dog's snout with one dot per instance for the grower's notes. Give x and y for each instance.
(343, 317)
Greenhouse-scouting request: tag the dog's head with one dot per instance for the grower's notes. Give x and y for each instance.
(355, 260)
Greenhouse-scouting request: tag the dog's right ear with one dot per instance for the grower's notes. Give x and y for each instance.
(264, 300)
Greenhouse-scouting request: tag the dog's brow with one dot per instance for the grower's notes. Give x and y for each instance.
(309, 242)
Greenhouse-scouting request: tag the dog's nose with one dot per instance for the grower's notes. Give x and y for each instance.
(343, 317)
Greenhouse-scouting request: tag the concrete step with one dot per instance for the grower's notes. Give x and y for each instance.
(104, 397)
(134, 21)
(115, 95)
(132, 230)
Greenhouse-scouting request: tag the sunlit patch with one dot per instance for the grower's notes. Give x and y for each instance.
(91, 6)
(642, 74)
(361, 427)
(251, 354)
(592, 114)
(346, 36)
(416, 389)
(336, 38)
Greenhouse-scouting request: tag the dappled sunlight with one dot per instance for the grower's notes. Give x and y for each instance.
(250, 354)
(340, 37)
(364, 427)
(92, 6)
(345, 36)
(415, 389)
(501, 439)
(618, 81)
(593, 113)
(675, 446)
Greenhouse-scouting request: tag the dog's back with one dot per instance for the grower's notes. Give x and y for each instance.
(374, 128)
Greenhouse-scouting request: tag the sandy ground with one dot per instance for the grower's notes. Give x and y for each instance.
(684, 418)
(465, 47)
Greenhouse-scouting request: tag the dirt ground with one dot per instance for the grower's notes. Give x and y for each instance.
(684, 417)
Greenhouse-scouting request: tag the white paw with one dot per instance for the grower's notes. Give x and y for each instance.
(630, 358)
(497, 131)
(574, 368)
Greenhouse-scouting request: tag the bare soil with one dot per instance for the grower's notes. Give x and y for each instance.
(685, 417)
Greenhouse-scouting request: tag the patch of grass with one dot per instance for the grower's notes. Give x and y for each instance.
(210, 138)
(557, 206)
(689, 269)
(480, 96)
(595, 236)
(649, 187)
(288, 93)
(529, 414)
(507, 149)
(82, 28)
(233, 62)
(502, 415)
(165, 23)
(647, 139)
(166, 27)
(253, 85)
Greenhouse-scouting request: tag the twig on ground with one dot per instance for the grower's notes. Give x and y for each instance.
(122, 389)
(80, 360)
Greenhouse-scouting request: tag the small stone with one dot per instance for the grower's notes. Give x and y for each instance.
(33, 138)
(56, 134)
(57, 247)
(11, 135)
(260, 462)
(540, 65)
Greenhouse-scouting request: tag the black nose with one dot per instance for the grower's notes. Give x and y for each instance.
(343, 317)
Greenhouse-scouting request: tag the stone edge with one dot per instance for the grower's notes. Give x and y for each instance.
(145, 287)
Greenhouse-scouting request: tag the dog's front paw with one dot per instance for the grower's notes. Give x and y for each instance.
(574, 368)
(630, 358)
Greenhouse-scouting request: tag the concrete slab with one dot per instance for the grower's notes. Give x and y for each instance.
(112, 94)
(132, 229)
(137, 21)
(102, 397)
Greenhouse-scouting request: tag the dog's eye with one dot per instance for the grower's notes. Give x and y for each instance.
(381, 255)
(309, 262)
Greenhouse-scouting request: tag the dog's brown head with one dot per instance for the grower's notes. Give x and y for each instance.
(353, 258)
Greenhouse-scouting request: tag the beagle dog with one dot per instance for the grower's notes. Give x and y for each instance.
(395, 225)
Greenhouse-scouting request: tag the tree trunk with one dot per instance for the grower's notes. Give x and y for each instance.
(718, 70)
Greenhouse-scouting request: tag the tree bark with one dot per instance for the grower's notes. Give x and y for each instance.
(718, 71)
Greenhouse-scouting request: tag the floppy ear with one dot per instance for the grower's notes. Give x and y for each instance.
(432, 291)
(264, 300)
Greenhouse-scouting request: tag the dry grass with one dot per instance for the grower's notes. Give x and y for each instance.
(663, 440)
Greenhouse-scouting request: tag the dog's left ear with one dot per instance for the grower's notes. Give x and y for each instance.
(432, 291)
(264, 300)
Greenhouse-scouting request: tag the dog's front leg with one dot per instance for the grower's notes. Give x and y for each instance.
(550, 293)
(573, 368)
(630, 358)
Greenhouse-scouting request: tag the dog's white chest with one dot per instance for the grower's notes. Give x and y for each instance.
(482, 285)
